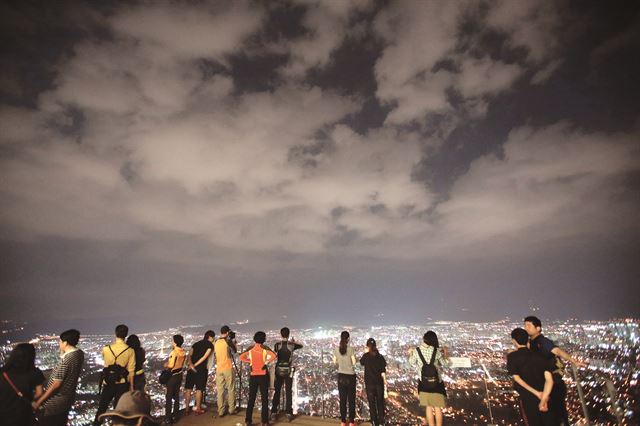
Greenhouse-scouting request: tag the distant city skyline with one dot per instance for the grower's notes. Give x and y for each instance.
(357, 161)
(610, 347)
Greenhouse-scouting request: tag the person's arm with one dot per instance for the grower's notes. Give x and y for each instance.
(334, 357)
(55, 385)
(546, 392)
(131, 368)
(271, 356)
(384, 371)
(171, 362)
(244, 357)
(521, 382)
(37, 393)
(567, 357)
(203, 358)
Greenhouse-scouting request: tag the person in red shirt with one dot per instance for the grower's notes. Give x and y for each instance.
(258, 356)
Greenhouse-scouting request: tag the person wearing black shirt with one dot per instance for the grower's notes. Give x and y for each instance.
(198, 372)
(550, 351)
(284, 373)
(139, 381)
(375, 381)
(20, 383)
(532, 380)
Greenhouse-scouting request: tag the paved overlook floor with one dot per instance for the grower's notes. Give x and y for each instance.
(211, 419)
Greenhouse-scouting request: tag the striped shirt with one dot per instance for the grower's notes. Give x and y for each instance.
(66, 371)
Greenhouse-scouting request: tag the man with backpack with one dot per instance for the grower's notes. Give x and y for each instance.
(118, 372)
(284, 373)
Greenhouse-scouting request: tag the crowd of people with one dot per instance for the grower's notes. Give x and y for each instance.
(536, 365)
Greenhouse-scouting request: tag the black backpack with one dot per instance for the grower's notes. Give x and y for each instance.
(429, 380)
(113, 373)
(283, 365)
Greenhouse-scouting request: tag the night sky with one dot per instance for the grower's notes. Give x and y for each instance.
(165, 162)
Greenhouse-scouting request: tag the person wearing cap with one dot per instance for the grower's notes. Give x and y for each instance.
(224, 349)
(132, 406)
(375, 381)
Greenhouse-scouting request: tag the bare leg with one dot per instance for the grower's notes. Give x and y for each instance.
(438, 416)
(198, 400)
(430, 417)
(187, 401)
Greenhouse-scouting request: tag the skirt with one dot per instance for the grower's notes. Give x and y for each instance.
(429, 399)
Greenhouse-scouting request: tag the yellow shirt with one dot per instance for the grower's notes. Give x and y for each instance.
(126, 360)
(223, 360)
(176, 359)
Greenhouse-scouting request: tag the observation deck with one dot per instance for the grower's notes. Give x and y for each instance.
(211, 418)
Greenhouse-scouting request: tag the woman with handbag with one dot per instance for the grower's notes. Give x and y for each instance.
(428, 359)
(173, 369)
(344, 356)
(20, 383)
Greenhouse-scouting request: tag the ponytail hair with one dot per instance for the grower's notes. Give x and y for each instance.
(344, 340)
(371, 344)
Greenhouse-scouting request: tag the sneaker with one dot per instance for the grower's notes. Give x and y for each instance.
(290, 417)
(273, 417)
(234, 411)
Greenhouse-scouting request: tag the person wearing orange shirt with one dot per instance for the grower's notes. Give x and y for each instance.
(224, 349)
(259, 356)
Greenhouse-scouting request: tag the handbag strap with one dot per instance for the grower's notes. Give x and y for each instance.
(15, 388)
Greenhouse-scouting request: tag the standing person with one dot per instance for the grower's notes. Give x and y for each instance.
(284, 373)
(259, 356)
(375, 381)
(60, 391)
(548, 349)
(197, 372)
(344, 356)
(20, 383)
(119, 369)
(139, 380)
(428, 359)
(225, 347)
(532, 380)
(175, 364)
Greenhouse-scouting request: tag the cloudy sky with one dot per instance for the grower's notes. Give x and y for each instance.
(329, 161)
